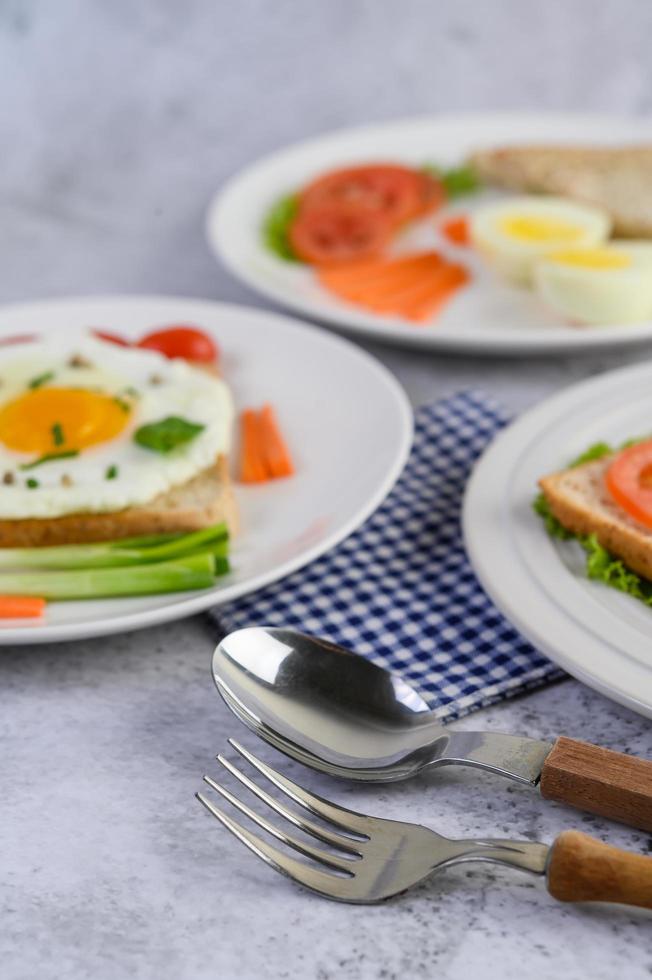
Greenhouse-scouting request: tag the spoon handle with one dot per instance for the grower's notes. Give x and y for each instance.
(591, 778)
(583, 869)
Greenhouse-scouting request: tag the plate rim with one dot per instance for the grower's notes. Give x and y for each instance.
(394, 332)
(509, 445)
(195, 603)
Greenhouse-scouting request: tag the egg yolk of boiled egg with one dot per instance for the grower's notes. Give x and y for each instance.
(47, 419)
(513, 234)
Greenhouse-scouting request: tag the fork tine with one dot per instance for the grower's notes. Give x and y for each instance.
(321, 833)
(316, 853)
(332, 886)
(338, 815)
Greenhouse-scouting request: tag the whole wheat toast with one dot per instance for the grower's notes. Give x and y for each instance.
(206, 499)
(580, 501)
(617, 179)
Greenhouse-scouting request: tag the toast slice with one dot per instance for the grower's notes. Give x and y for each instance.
(206, 499)
(580, 501)
(617, 179)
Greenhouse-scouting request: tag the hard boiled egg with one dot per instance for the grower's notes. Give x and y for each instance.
(609, 284)
(513, 234)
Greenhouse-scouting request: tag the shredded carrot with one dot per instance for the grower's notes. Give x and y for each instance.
(252, 462)
(275, 451)
(21, 607)
(456, 230)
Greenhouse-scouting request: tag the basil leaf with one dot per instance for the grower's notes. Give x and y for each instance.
(166, 435)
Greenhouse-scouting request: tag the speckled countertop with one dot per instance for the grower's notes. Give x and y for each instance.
(117, 122)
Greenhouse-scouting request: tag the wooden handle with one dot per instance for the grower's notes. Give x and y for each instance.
(582, 869)
(600, 781)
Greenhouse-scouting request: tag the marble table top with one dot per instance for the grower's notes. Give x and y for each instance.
(118, 121)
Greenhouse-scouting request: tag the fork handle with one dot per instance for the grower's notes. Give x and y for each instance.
(591, 778)
(583, 869)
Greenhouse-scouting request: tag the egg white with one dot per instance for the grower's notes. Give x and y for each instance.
(599, 295)
(514, 257)
(164, 387)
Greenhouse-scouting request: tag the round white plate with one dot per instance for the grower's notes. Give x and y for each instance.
(600, 636)
(347, 422)
(485, 317)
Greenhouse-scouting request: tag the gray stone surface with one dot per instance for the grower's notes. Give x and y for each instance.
(117, 122)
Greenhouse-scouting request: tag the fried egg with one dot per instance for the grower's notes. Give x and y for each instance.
(513, 234)
(610, 284)
(68, 413)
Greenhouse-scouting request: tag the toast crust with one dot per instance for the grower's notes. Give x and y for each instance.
(579, 500)
(206, 499)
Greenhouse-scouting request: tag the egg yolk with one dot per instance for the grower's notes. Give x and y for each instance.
(593, 258)
(49, 419)
(528, 228)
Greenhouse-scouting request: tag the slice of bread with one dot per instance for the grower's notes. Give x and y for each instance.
(617, 179)
(206, 499)
(580, 501)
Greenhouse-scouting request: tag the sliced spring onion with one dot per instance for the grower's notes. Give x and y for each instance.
(193, 572)
(125, 552)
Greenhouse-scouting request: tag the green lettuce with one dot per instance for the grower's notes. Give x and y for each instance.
(601, 565)
(276, 227)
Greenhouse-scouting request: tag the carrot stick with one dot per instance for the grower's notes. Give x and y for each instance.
(252, 463)
(275, 451)
(21, 607)
(456, 230)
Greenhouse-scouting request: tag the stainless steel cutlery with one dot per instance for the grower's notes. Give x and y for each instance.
(339, 713)
(367, 859)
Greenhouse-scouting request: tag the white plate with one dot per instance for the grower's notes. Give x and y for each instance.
(602, 637)
(485, 317)
(346, 419)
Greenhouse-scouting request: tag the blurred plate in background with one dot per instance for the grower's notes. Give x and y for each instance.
(487, 317)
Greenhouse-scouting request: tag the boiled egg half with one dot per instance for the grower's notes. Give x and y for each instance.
(513, 234)
(611, 284)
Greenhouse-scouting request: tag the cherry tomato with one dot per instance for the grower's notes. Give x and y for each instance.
(396, 192)
(112, 338)
(629, 481)
(180, 340)
(341, 233)
(18, 339)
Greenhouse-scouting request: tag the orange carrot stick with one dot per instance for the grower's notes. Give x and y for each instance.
(456, 230)
(21, 607)
(275, 451)
(252, 462)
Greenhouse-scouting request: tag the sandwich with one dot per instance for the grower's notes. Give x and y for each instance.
(100, 442)
(604, 501)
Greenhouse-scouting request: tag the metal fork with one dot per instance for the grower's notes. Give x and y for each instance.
(373, 858)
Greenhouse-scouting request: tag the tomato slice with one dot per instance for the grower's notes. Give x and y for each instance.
(181, 340)
(396, 192)
(629, 481)
(112, 338)
(336, 234)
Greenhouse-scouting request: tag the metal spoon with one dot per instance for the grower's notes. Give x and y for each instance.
(341, 714)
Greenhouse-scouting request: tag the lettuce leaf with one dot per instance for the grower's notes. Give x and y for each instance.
(276, 227)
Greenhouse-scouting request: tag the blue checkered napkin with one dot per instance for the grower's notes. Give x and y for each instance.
(400, 590)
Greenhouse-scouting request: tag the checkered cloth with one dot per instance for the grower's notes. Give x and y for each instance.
(400, 590)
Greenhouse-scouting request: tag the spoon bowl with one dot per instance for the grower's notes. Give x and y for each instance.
(339, 713)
